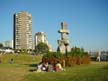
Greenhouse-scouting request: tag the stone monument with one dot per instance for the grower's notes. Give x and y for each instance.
(64, 44)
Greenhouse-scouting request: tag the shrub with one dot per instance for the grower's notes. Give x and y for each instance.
(86, 59)
(76, 57)
(69, 61)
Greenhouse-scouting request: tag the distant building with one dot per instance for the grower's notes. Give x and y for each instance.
(64, 44)
(8, 44)
(103, 55)
(41, 37)
(22, 30)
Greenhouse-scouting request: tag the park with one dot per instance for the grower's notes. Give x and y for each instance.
(23, 65)
(32, 50)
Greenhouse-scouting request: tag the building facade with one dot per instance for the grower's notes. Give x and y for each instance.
(22, 30)
(40, 37)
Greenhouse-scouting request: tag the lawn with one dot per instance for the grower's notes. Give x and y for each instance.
(21, 70)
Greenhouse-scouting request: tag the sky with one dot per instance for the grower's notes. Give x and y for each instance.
(87, 20)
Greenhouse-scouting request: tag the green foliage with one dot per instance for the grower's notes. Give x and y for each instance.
(53, 55)
(76, 56)
(1, 45)
(58, 55)
(75, 51)
(48, 55)
(42, 48)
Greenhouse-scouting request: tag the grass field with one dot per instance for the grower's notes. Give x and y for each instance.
(21, 70)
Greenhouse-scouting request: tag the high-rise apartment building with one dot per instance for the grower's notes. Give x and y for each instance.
(22, 30)
(40, 37)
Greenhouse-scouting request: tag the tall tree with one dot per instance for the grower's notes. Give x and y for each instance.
(1, 45)
(42, 48)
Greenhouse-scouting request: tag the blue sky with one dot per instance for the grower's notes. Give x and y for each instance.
(87, 20)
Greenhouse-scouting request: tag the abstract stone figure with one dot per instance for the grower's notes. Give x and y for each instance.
(64, 44)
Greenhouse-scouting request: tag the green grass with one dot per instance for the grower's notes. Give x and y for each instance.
(93, 72)
(20, 59)
(20, 70)
(12, 72)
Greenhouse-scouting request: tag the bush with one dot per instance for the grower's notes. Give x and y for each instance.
(69, 60)
(86, 59)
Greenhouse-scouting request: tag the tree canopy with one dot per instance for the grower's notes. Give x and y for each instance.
(1, 45)
(42, 48)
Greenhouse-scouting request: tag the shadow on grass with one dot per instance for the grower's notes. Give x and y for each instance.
(32, 70)
(105, 67)
(31, 65)
(34, 66)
